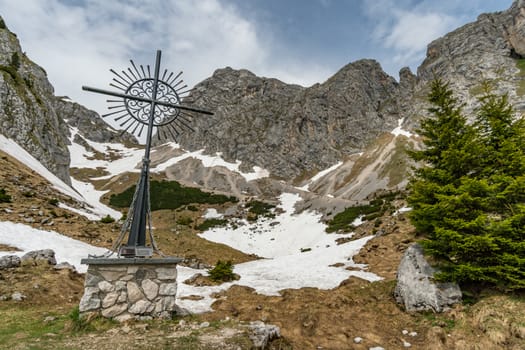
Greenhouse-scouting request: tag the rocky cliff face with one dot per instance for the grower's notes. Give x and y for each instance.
(488, 52)
(295, 132)
(27, 113)
(288, 129)
(292, 131)
(88, 123)
(35, 118)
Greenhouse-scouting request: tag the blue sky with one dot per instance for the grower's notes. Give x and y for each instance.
(297, 41)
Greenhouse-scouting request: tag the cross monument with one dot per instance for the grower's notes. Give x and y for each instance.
(146, 102)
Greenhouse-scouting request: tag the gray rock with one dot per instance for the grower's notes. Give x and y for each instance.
(88, 303)
(65, 266)
(150, 288)
(168, 289)
(9, 261)
(89, 124)
(92, 280)
(261, 334)
(124, 317)
(110, 299)
(105, 286)
(123, 297)
(90, 300)
(416, 289)
(114, 310)
(141, 307)
(134, 292)
(17, 296)
(37, 256)
(27, 114)
(112, 275)
(164, 273)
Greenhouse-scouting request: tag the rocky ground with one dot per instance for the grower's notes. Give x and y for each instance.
(355, 315)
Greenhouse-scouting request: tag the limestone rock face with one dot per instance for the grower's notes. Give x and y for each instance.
(485, 51)
(292, 131)
(289, 129)
(516, 32)
(89, 124)
(32, 116)
(415, 288)
(295, 131)
(27, 113)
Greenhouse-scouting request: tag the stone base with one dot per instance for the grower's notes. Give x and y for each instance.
(133, 288)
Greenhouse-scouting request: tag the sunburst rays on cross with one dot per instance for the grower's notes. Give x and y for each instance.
(132, 115)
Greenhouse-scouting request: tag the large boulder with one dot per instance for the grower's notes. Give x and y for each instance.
(9, 261)
(416, 288)
(37, 257)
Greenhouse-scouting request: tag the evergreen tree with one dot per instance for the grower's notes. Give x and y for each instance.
(469, 198)
(447, 140)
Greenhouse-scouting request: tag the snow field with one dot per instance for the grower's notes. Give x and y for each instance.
(295, 250)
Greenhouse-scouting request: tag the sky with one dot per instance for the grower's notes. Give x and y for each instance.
(297, 41)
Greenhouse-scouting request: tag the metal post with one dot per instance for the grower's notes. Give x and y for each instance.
(137, 234)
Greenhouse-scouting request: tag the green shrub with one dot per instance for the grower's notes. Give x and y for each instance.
(171, 195)
(78, 323)
(222, 272)
(2, 24)
(184, 220)
(53, 201)
(13, 73)
(258, 208)
(377, 208)
(4, 197)
(210, 223)
(107, 219)
(192, 208)
(343, 220)
(15, 60)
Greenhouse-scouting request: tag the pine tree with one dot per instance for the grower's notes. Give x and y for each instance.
(447, 140)
(469, 198)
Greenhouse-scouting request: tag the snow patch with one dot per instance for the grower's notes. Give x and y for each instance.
(95, 208)
(319, 175)
(212, 161)
(212, 213)
(27, 239)
(399, 130)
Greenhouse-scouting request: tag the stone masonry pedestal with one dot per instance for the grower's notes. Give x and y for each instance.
(130, 288)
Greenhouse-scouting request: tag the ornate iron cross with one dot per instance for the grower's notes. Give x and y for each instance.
(151, 102)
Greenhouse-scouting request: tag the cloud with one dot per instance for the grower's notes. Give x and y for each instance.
(77, 42)
(406, 27)
(412, 32)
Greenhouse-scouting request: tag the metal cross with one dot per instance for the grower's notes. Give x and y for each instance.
(151, 102)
